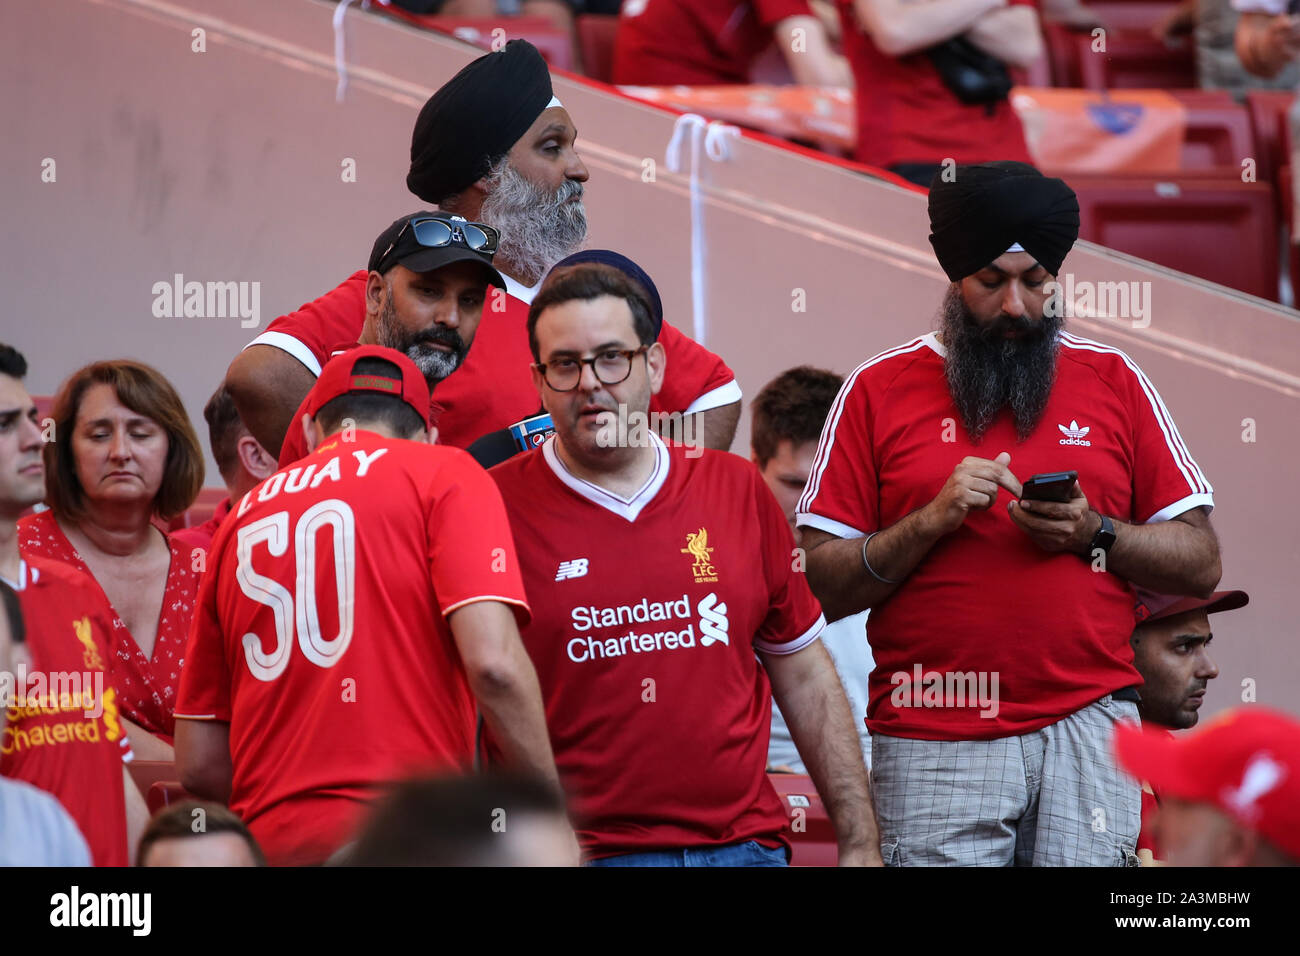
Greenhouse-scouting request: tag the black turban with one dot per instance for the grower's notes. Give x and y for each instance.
(475, 118)
(989, 207)
(623, 264)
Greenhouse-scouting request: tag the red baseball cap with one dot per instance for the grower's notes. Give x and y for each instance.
(1152, 607)
(1245, 762)
(338, 378)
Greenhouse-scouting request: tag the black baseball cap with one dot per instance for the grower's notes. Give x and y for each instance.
(459, 241)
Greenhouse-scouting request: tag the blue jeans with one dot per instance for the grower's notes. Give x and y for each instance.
(750, 853)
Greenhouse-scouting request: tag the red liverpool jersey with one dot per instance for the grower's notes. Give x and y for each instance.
(646, 616)
(1041, 634)
(696, 42)
(492, 389)
(64, 736)
(321, 635)
(907, 114)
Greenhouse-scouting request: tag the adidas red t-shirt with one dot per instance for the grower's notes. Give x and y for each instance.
(696, 42)
(906, 114)
(321, 634)
(987, 600)
(646, 616)
(64, 734)
(493, 388)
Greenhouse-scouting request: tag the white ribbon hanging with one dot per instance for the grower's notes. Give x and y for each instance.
(713, 136)
(340, 47)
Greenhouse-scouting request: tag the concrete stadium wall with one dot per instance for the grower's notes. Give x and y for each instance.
(226, 165)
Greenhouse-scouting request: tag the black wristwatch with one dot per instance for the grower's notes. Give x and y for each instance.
(1104, 538)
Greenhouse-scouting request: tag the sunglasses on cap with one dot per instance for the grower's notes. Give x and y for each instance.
(436, 233)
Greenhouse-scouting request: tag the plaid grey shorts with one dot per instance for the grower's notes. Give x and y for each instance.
(1053, 797)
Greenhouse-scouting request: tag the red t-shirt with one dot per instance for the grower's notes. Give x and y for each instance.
(986, 599)
(321, 635)
(646, 616)
(907, 115)
(200, 536)
(1146, 842)
(493, 388)
(695, 42)
(146, 685)
(67, 739)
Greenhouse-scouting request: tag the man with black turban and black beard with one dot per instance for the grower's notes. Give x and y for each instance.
(494, 145)
(1000, 624)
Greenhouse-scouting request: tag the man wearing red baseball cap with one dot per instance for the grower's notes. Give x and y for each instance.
(1230, 793)
(357, 607)
(1171, 650)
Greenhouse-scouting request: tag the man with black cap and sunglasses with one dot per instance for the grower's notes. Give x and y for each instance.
(358, 607)
(493, 145)
(1000, 625)
(426, 285)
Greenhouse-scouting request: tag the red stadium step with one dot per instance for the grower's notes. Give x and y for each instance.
(1220, 230)
(811, 836)
(1132, 59)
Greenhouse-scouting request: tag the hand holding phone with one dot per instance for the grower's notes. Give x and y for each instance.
(1050, 486)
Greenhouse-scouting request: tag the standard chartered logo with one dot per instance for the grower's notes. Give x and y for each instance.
(593, 645)
(713, 621)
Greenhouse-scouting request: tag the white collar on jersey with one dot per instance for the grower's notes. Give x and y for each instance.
(932, 340)
(627, 508)
(21, 583)
(524, 293)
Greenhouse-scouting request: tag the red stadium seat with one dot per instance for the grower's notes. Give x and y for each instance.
(1268, 117)
(596, 34)
(164, 793)
(555, 45)
(811, 836)
(1133, 59)
(202, 509)
(1219, 134)
(1218, 229)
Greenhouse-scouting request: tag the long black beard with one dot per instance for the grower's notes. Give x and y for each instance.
(987, 371)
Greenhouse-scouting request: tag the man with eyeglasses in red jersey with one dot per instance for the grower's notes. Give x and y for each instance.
(494, 145)
(667, 610)
(357, 607)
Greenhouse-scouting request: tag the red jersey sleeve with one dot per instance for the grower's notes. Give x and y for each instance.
(841, 496)
(308, 334)
(204, 692)
(772, 12)
(471, 551)
(794, 618)
(695, 379)
(1166, 479)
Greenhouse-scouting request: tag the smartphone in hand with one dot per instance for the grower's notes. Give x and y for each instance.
(1050, 486)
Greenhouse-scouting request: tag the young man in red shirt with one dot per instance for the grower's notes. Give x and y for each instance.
(1171, 650)
(909, 120)
(356, 608)
(665, 590)
(64, 733)
(1000, 625)
(493, 145)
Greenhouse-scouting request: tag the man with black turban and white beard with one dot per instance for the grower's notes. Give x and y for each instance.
(493, 144)
(1000, 624)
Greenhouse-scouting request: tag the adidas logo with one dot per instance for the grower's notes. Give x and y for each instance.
(1074, 435)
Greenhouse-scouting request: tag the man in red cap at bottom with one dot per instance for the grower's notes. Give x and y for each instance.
(357, 607)
(1229, 793)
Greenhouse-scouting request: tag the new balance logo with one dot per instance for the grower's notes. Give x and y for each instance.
(1074, 435)
(571, 569)
(713, 621)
